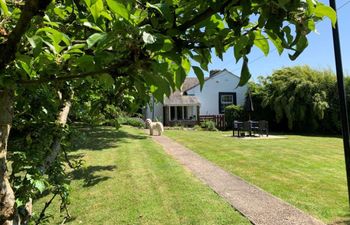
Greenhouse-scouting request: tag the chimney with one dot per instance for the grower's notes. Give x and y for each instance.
(213, 72)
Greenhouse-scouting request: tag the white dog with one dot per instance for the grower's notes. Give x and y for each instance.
(154, 125)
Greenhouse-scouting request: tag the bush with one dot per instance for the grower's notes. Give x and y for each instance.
(208, 125)
(197, 128)
(232, 113)
(111, 122)
(131, 121)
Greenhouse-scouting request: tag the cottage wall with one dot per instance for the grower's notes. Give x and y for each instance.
(224, 81)
(158, 111)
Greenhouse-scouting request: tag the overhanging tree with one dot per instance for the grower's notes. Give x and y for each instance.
(151, 43)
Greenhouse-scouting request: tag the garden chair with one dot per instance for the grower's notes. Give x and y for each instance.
(264, 127)
(237, 126)
(254, 127)
(247, 127)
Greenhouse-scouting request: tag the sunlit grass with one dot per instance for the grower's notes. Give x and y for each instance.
(306, 171)
(128, 179)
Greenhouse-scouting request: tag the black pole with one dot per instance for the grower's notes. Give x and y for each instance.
(342, 98)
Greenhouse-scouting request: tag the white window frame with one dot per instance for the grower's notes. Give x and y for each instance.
(226, 102)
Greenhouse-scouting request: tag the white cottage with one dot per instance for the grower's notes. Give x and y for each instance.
(186, 106)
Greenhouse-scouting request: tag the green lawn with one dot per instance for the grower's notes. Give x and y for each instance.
(306, 171)
(128, 179)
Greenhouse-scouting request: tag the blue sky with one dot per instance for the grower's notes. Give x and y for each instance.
(319, 54)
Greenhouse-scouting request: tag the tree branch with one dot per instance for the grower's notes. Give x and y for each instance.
(9, 47)
(201, 45)
(205, 14)
(112, 70)
(42, 214)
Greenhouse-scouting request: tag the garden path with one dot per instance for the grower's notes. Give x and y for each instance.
(260, 207)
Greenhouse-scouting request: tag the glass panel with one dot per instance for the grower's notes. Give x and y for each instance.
(172, 113)
(179, 112)
(185, 113)
(226, 99)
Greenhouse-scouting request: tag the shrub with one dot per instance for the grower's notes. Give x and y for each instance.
(131, 121)
(197, 128)
(111, 122)
(232, 113)
(208, 125)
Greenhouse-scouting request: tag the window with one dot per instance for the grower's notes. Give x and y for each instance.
(178, 113)
(172, 113)
(225, 99)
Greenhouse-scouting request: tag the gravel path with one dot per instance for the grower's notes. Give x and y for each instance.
(257, 205)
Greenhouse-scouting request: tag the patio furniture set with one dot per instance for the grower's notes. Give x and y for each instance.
(252, 127)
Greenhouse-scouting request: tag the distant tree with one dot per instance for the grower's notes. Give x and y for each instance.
(299, 94)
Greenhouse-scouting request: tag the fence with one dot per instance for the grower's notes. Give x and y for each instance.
(219, 120)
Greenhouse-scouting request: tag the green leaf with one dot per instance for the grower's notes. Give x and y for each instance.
(56, 37)
(241, 44)
(86, 63)
(26, 68)
(311, 6)
(93, 39)
(311, 25)
(282, 3)
(119, 8)
(245, 73)
(152, 88)
(217, 21)
(197, 58)
(300, 47)
(106, 15)
(322, 10)
(163, 9)
(219, 47)
(3, 7)
(92, 26)
(180, 77)
(186, 65)
(31, 41)
(107, 80)
(77, 46)
(261, 42)
(39, 185)
(167, 45)
(96, 9)
(276, 41)
(148, 38)
(200, 75)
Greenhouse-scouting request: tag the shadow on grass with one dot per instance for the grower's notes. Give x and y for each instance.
(97, 139)
(100, 138)
(88, 174)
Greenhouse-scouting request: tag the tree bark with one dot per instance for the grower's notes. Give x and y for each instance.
(61, 121)
(8, 49)
(7, 196)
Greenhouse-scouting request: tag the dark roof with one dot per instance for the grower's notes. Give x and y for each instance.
(181, 100)
(178, 99)
(189, 82)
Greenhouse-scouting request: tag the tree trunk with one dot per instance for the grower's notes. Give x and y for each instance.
(61, 121)
(7, 196)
